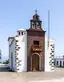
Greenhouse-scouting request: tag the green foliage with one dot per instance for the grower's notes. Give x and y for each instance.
(6, 62)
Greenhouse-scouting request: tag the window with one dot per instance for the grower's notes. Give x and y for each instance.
(57, 62)
(36, 42)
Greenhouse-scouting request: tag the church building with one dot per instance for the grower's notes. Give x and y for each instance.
(30, 50)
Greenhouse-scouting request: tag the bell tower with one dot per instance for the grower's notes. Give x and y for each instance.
(35, 22)
(35, 45)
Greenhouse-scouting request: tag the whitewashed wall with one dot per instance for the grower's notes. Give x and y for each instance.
(49, 66)
(47, 55)
(18, 46)
(22, 53)
(51, 52)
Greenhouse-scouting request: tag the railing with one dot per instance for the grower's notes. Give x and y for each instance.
(36, 48)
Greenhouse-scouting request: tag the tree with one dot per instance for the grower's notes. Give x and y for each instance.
(6, 62)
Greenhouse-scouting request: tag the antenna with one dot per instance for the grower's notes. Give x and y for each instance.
(48, 26)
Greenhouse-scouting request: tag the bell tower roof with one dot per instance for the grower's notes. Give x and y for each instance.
(36, 16)
(36, 23)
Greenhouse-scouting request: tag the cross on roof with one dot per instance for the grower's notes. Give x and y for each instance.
(36, 11)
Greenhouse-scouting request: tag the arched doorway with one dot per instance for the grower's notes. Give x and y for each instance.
(35, 62)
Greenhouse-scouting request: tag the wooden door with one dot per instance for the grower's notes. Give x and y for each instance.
(35, 62)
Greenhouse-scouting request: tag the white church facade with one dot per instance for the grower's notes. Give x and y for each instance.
(29, 50)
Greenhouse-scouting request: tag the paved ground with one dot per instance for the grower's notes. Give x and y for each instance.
(56, 76)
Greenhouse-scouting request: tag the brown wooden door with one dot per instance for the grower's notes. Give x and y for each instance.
(35, 62)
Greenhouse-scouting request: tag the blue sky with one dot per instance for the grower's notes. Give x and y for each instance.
(16, 14)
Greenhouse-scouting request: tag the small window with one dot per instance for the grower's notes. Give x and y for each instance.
(36, 42)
